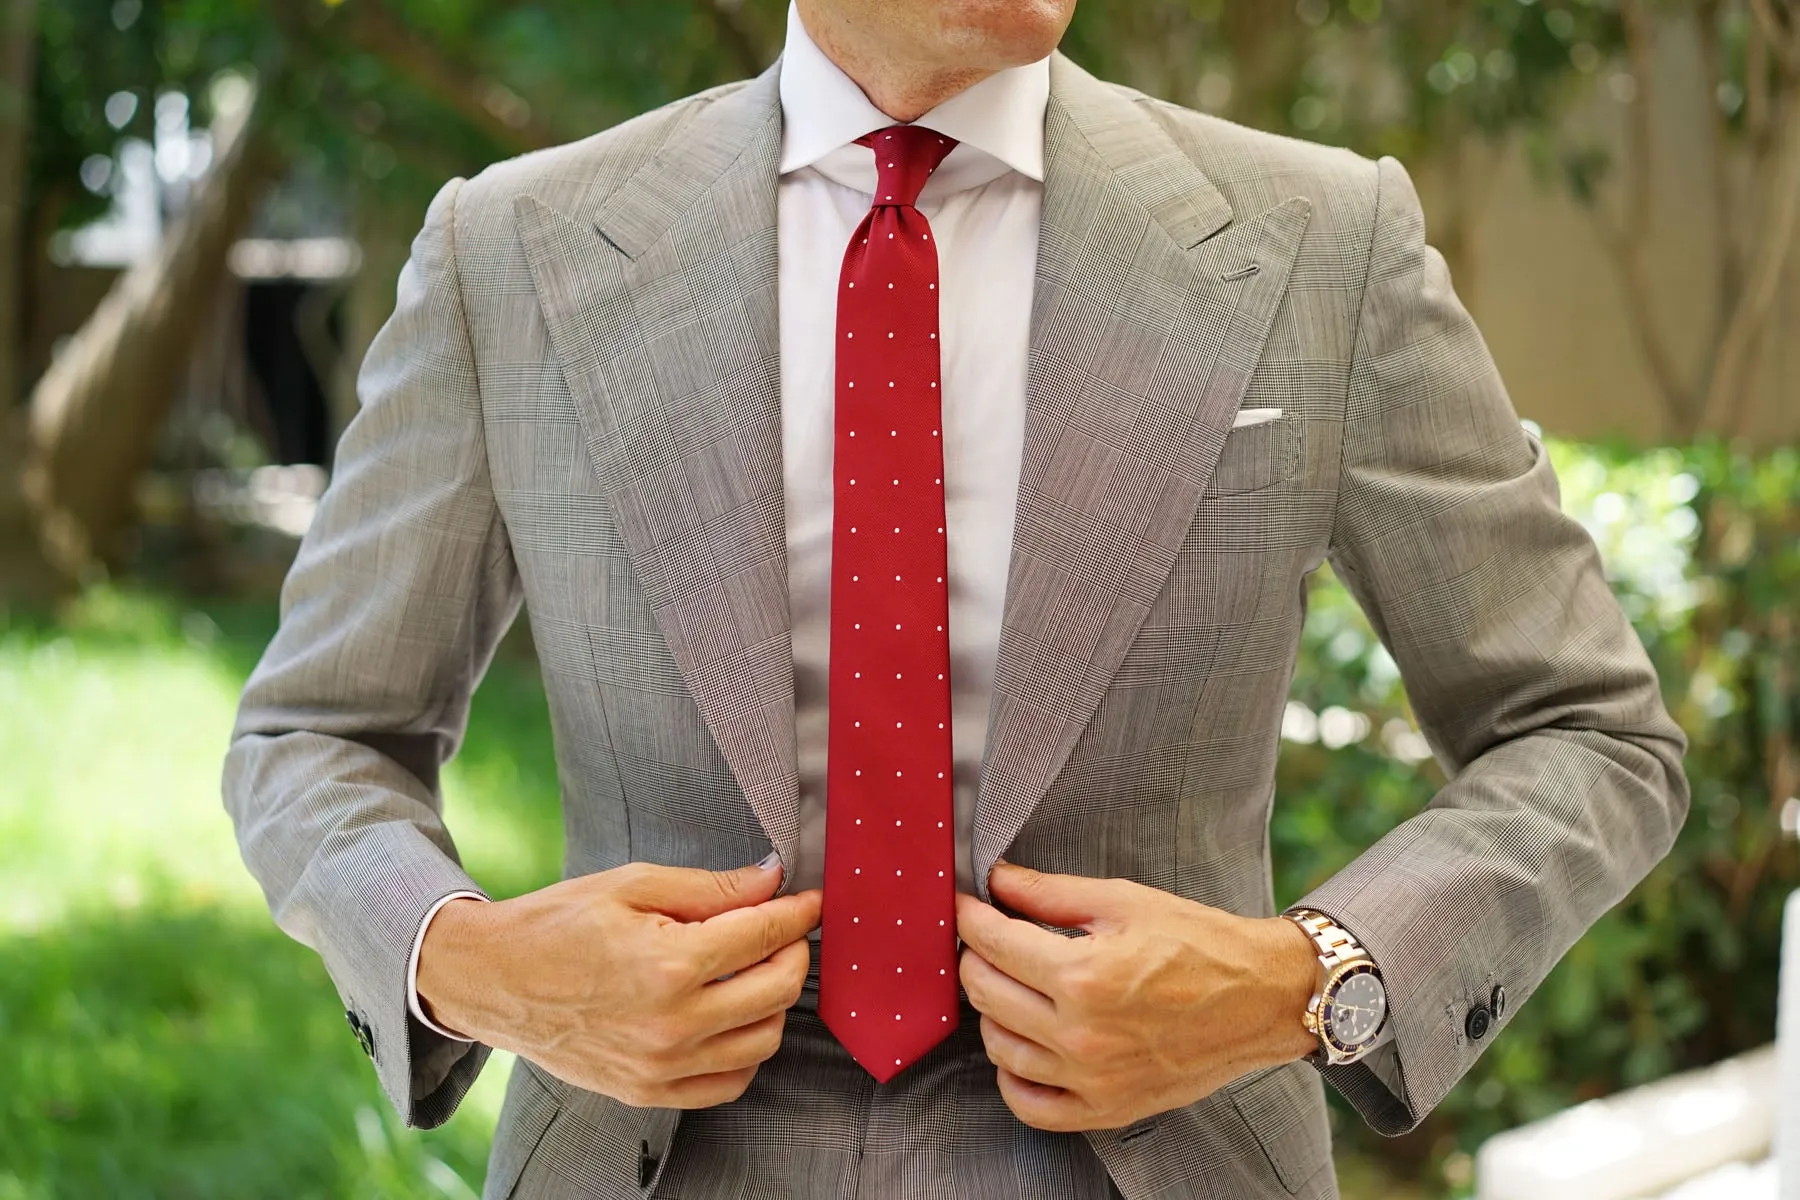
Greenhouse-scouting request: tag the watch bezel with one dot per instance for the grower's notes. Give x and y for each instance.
(1327, 1028)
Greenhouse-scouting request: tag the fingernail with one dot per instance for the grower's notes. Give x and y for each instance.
(771, 862)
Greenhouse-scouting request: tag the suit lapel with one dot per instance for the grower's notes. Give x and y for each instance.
(661, 303)
(1150, 313)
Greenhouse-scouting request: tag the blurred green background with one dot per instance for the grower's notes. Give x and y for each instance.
(1615, 184)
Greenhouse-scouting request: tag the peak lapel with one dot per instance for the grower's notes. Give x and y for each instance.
(661, 302)
(1146, 326)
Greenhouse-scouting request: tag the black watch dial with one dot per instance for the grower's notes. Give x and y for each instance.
(1354, 1010)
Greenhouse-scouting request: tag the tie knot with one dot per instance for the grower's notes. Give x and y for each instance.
(905, 157)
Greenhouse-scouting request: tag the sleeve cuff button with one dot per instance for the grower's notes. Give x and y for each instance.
(1479, 1021)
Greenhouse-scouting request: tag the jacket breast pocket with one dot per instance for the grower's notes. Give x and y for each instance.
(1257, 457)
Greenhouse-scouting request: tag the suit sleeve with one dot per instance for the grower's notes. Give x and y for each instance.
(1531, 687)
(390, 615)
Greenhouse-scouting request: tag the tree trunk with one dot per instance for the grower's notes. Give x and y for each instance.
(18, 43)
(96, 412)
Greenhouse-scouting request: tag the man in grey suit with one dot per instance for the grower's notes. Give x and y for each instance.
(1183, 364)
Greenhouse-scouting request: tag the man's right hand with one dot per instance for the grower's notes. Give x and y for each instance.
(614, 982)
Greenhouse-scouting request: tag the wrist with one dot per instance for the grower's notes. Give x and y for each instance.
(447, 954)
(1292, 978)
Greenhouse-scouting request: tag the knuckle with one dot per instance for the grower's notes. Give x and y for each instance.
(1082, 1043)
(1081, 983)
(725, 883)
(634, 873)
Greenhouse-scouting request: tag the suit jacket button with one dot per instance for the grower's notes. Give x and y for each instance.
(646, 1165)
(1498, 1003)
(1479, 1021)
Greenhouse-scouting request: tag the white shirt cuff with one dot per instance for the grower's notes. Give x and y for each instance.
(412, 968)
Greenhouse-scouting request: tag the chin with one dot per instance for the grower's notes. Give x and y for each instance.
(1004, 33)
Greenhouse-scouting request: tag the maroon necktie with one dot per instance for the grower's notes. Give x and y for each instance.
(887, 968)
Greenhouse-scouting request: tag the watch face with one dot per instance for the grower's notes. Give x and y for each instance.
(1354, 1009)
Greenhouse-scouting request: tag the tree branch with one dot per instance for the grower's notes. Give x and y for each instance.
(1785, 42)
(1731, 379)
(1626, 244)
(374, 30)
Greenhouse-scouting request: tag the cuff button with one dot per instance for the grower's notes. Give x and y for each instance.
(1479, 1021)
(1498, 1003)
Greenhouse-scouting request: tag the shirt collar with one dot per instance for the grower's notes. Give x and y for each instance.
(823, 110)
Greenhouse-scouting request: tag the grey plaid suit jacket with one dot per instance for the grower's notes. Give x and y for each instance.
(576, 407)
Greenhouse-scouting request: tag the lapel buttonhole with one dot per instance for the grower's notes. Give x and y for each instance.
(1241, 273)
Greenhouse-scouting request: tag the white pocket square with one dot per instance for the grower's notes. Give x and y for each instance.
(1247, 417)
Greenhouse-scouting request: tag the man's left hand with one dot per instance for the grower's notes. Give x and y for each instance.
(1162, 1003)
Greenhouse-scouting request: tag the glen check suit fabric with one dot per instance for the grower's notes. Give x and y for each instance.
(576, 406)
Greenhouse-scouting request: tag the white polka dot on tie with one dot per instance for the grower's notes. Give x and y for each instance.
(899, 921)
(934, 337)
(933, 286)
(859, 872)
(890, 237)
(853, 1012)
(853, 966)
(859, 674)
(890, 333)
(849, 335)
(856, 920)
(896, 871)
(940, 823)
(890, 383)
(890, 287)
(853, 285)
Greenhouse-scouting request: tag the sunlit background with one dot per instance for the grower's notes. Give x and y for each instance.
(203, 208)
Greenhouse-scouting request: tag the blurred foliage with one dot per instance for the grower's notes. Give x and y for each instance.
(159, 1036)
(1702, 546)
(375, 102)
(389, 97)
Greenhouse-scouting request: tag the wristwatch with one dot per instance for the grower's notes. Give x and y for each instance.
(1349, 1009)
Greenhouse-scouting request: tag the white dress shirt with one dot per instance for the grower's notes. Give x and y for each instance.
(984, 204)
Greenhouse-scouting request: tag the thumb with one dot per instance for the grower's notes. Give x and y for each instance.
(1068, 901)
(693, 894)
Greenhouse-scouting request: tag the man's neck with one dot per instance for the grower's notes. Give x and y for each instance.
(904, 90)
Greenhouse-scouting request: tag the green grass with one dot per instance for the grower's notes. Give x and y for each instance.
(158, 1036)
